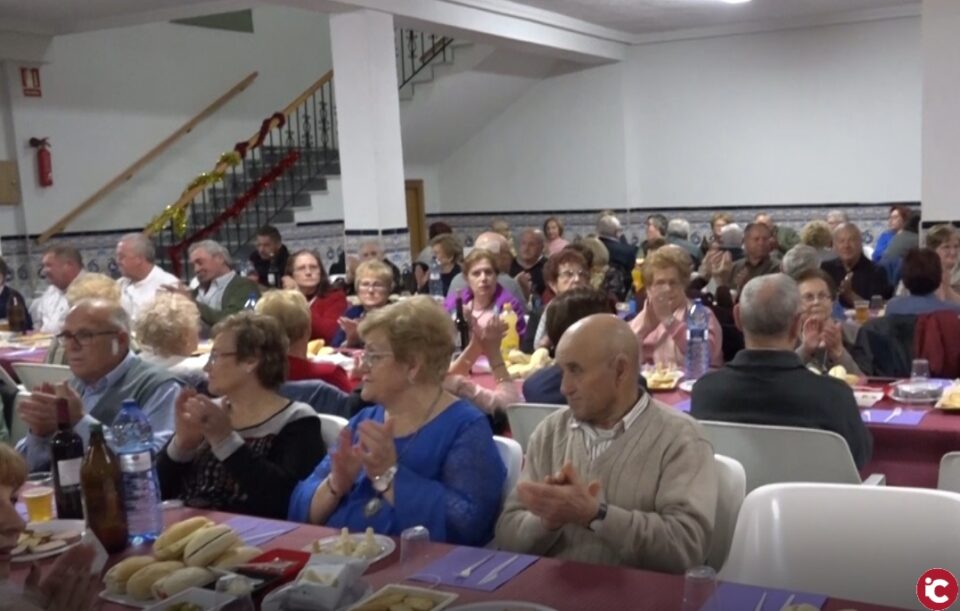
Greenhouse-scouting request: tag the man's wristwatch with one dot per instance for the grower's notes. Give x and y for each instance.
(382, 482)
(598, 519)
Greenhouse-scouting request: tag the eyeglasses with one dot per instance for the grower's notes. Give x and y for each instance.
(81, 338)
(815, 297)
(369, 358)
(213, 357)
(570, 275)
(373, 287)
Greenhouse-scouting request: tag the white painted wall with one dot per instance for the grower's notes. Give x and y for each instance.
(560, 146)
(941, 99)
(829, 114)
(111, 95)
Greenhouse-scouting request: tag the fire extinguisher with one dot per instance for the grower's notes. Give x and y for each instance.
(44, 162)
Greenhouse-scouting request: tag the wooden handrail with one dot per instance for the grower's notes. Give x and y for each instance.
(222, 166)
(152, 154)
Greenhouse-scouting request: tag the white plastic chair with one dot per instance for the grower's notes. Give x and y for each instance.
(512, 456)
(774, 454)
(7, 380)
(732, 484)
(949, 472)
(330, 427)
(866, 543)
(34, 374)
(524, 418)
(18, 428)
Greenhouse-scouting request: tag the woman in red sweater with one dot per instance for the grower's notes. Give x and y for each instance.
(289, 308)
(305, 273)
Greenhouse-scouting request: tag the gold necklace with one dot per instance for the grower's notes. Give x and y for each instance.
(374, 505)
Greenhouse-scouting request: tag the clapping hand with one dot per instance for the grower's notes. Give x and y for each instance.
(187, 428)
(832, 339)
(562, 498)
(489, 336)
(376, 447)
(811, 337)
(205, 416)
(39, 409)
(69, 586)
(345, 462)
(349, 326)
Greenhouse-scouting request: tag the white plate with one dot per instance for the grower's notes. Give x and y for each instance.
(501, 605)
(440, 599)
(53, 526)
(687, 386)
(208, 600)
(867, 398)
(126, 601)
(386, 545)
(942, 383)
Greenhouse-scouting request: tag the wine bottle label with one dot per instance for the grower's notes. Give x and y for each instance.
(69, 472)
(136, 463)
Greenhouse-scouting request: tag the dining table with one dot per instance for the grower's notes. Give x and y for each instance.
(559, 584)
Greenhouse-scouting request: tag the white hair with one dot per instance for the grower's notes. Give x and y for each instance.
(799, 259)
(838, 215)
(679, 228)
(212, 248)
(731, 236)
(141, 244)
(769, 305)
(608, 226)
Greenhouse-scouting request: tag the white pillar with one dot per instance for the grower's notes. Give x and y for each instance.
(368, 128)
(941, 99)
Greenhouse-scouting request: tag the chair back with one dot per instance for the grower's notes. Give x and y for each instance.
(18, 428)
(330, 427)
(949, 472)
(512, 456)
(6, 379)
(323, 397)
(33, 375)
(524, 418)
(866, 543)
(773, 454)
(732, 484)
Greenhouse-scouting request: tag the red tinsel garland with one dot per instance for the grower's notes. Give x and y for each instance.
(265, 127)
(233, 211)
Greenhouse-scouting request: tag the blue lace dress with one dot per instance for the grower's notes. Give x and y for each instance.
(450, 480)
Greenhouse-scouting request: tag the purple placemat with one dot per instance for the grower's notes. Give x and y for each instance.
(444, 571)
(257, 531)
(737, 596)
(683, 406)
(906, 417)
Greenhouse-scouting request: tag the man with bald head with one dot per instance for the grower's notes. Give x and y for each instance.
(500, 247)
(767, 383)
(855, 275)
(618, 478)
(96, 339)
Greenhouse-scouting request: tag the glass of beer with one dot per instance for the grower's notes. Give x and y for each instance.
(861, 310)
(39, 502)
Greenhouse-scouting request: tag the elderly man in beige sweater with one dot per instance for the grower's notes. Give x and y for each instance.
(619, 478)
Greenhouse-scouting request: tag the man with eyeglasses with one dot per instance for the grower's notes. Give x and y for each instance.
(767, 383)
(96, 339)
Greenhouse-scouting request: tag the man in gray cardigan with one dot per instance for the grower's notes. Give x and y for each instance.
(619, 478)
(222, 291)
(96, 338)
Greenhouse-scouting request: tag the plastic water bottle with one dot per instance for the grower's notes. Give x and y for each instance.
(251, 303)
(436, 282)
(698, 344)
(133, 444)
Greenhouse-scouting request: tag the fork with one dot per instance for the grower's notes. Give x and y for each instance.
(788, 603)
(496, 570)
(470, 569)
(763, 599)
(896, 412)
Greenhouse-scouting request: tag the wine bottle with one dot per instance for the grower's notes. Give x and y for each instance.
(463, 327)
(17, 314)
(66, 457)
(102, 484)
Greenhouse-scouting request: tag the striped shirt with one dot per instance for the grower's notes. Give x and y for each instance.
(598, 440)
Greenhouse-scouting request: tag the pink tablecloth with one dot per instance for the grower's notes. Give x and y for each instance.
(9, 356)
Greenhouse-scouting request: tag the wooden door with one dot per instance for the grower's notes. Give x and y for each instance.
(416, 217)
(9, 183)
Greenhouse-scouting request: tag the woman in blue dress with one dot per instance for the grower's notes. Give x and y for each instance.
(420, 456)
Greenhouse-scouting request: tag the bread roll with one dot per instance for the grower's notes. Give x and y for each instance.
(180, 580)
(172, 541)
(208, 544)
(116, 578)
(140, 583)
(236, 556)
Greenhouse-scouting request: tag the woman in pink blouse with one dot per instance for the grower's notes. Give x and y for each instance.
(553, 234)
(661, 326)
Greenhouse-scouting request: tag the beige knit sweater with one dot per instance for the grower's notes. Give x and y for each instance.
(658, 479)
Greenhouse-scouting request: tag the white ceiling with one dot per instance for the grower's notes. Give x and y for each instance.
(654, 16)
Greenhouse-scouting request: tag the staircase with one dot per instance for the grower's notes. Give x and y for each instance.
(290, 156)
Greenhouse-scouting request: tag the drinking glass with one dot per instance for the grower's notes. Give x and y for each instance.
(876, 304)
(414, 548)
(39, 502)
(699, 588)
(861, 310)
(920, 370)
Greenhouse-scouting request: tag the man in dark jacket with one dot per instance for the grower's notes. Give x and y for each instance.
(622, 256)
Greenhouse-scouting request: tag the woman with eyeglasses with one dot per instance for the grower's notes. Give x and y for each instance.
(419, 455)
(484, 297)
(246, 452)
(821, 337)
(945, 240)
(568, 269)
(305, 273)
(373, 283)
(661, 326)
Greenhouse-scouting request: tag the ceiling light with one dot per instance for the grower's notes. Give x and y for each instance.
(735, 1)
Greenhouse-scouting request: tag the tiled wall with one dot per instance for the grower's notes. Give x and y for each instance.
(328, 238)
